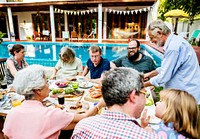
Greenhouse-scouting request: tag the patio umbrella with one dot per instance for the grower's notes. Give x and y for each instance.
(176, 14)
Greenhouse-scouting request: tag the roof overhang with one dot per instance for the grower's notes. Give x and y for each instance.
(73, 4)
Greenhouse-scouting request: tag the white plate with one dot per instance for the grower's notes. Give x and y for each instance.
(86, 85)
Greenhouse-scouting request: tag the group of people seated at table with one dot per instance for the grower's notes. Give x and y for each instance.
(121, 80)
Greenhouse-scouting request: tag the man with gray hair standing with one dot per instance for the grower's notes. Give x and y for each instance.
(121, 93)
(180, 66)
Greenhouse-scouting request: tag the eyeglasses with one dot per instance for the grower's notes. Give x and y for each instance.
(131, 48)
(143, 92)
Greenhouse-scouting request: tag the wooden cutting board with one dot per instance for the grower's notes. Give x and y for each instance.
(88, 98)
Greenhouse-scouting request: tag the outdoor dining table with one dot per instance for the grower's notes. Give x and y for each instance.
(150, 109)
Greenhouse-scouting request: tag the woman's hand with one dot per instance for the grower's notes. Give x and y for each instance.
(53, 77)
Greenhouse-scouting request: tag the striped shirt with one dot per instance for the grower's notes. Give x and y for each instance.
(111, 125)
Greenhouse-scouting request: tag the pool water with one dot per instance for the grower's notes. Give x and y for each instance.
(47, 53)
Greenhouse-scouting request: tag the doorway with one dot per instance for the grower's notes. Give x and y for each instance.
(16, 29)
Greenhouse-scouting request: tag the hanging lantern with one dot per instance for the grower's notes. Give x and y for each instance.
(95, 10)
(120, 12)
(128, 12)
(124, 12)
(136, 11)
(106, 9)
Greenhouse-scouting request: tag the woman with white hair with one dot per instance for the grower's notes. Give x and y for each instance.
(32, 120)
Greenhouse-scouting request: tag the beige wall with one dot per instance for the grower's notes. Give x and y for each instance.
(24, 29)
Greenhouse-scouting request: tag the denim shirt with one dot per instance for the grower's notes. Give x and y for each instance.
(179, 68)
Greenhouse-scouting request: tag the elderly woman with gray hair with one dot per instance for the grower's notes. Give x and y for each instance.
(32, 120)
(68, 65)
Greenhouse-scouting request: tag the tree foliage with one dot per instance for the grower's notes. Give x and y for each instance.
(191, 7)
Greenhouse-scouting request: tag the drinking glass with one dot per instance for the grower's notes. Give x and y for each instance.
(61, 100)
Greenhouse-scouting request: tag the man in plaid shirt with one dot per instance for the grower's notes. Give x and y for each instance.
(120, 89)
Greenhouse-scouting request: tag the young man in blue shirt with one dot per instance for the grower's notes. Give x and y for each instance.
(96, 64)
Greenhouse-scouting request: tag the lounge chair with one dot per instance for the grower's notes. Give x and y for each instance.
(88, 36)
(45, 34)
(74, 35)
(65, 35)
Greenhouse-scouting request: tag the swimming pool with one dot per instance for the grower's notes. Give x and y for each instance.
(47, 53)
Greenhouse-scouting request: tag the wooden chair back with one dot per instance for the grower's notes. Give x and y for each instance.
(74, 35)
(2, 67)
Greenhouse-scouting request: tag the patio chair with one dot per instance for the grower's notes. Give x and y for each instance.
(88, 36)
(74, 35)
(65, 35)
(45, 34)
(2, 68)
(195, 37)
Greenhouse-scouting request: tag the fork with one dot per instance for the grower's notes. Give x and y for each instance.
(78, 101)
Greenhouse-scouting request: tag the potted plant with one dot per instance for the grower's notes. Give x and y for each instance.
(1, 36)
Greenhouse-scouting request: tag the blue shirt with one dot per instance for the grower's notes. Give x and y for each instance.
(179, 68)
(95, 72)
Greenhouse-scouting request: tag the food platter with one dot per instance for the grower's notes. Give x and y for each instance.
(68, 93)
(71, 107)
(86, 85)
(61, 84)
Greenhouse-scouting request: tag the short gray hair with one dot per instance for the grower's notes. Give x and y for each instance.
(157, 25)
(29, 79)
(118, 83)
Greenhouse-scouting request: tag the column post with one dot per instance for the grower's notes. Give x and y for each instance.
(100, 23)
(53, 34)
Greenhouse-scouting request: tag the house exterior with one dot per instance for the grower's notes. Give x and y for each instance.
(105, 19)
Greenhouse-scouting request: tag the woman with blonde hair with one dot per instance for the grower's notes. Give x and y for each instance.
(179, 113)
(68, 65)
